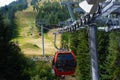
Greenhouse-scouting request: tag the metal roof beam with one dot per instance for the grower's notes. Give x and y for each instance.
(113, 6)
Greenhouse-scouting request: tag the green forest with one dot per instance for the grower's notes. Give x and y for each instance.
(14, 65)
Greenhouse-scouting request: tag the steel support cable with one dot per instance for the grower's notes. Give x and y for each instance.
(46, 28)
(76, 25)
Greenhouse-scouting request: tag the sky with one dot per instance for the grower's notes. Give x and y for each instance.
(5, 2)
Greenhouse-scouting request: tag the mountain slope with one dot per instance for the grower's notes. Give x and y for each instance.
(29, 40)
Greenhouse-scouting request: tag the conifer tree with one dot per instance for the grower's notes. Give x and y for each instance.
(102, 47)
(13, 64)
(112, 63)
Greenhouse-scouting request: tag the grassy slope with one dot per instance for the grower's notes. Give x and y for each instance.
(32, 44)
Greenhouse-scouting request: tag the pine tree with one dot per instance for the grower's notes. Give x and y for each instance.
(13, 64)
(112, 64)
(83, 56)
(102, 47)
(78, 43)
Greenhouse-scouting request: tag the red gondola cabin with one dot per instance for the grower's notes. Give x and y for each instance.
(64, 63)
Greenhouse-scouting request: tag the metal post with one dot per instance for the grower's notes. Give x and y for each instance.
(70, 11)
(42, 33)
(93, 51)
(68, 4)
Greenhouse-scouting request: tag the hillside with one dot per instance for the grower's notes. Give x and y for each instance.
(29, 40)
(18, 32)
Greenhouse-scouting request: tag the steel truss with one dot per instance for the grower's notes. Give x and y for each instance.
(106, 17)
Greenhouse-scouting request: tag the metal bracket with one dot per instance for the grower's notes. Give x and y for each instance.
(55, 34)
